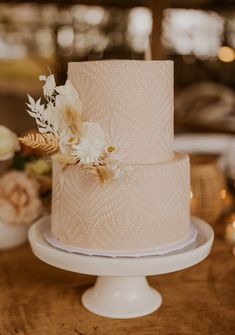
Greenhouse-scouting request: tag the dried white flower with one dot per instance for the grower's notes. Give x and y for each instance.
(66, 142)
(66, 100)
(91, 145)
(49, 86)
(68, 97)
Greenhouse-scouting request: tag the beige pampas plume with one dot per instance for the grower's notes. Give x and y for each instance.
(45, 143)
(73, 119)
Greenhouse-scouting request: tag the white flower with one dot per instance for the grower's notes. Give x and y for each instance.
(8, 143)
(68, 97)
(92, 144)
(49, 86)
(66, 142)
(112, 154)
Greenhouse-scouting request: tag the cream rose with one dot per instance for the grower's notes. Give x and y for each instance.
(8, 143)
(19, 198)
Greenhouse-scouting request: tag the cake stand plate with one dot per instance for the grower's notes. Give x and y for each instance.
(121, 289)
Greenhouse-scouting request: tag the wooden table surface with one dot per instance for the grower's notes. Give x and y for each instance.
(37, 299)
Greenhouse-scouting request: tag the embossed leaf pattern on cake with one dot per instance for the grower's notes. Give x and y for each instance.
(133, 103)
(148, 207)
(62, 129)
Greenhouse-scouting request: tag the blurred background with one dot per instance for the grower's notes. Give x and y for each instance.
(199, 35)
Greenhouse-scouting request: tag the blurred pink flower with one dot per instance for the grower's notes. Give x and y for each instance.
(19, 198)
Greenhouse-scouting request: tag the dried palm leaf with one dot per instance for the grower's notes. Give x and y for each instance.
(46, 143)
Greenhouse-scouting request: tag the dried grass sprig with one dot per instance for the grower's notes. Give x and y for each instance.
(46, 143)
(102, 173)
(65, 159)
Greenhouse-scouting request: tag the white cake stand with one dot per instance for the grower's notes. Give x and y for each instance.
(121, 289)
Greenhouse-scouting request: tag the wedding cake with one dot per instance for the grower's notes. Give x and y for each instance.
(117, 183)
(148, 206)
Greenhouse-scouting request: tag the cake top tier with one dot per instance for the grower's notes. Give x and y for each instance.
(132, 101)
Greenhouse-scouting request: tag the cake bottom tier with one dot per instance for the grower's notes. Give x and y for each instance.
(145, 208)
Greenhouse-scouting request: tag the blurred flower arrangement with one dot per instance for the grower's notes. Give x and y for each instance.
(25, 181)
(8, 143)
(19, 198)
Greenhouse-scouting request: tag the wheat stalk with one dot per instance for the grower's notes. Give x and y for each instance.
(46, 143)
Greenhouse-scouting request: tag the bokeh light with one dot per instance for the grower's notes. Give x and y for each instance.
(65, 36)
(139, 28)
(94, 15)
(226, 54)
(193, 32)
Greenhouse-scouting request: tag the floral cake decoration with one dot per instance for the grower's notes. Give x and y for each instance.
(63, 134)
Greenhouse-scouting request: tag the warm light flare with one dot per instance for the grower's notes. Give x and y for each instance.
(226, 54)
(223, 194)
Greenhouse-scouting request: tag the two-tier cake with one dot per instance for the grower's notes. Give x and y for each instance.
(148, 204)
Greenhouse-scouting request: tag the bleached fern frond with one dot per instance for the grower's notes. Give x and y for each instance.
(38, 112)
(46, 143)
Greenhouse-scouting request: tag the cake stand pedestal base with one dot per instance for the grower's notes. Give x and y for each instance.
(121, 289)
(121, 297)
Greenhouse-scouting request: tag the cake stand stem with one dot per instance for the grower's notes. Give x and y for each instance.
(121, 297)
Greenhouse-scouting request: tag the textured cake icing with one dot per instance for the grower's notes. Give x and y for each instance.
(133, 102)
(146, 208)
(149, 205)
